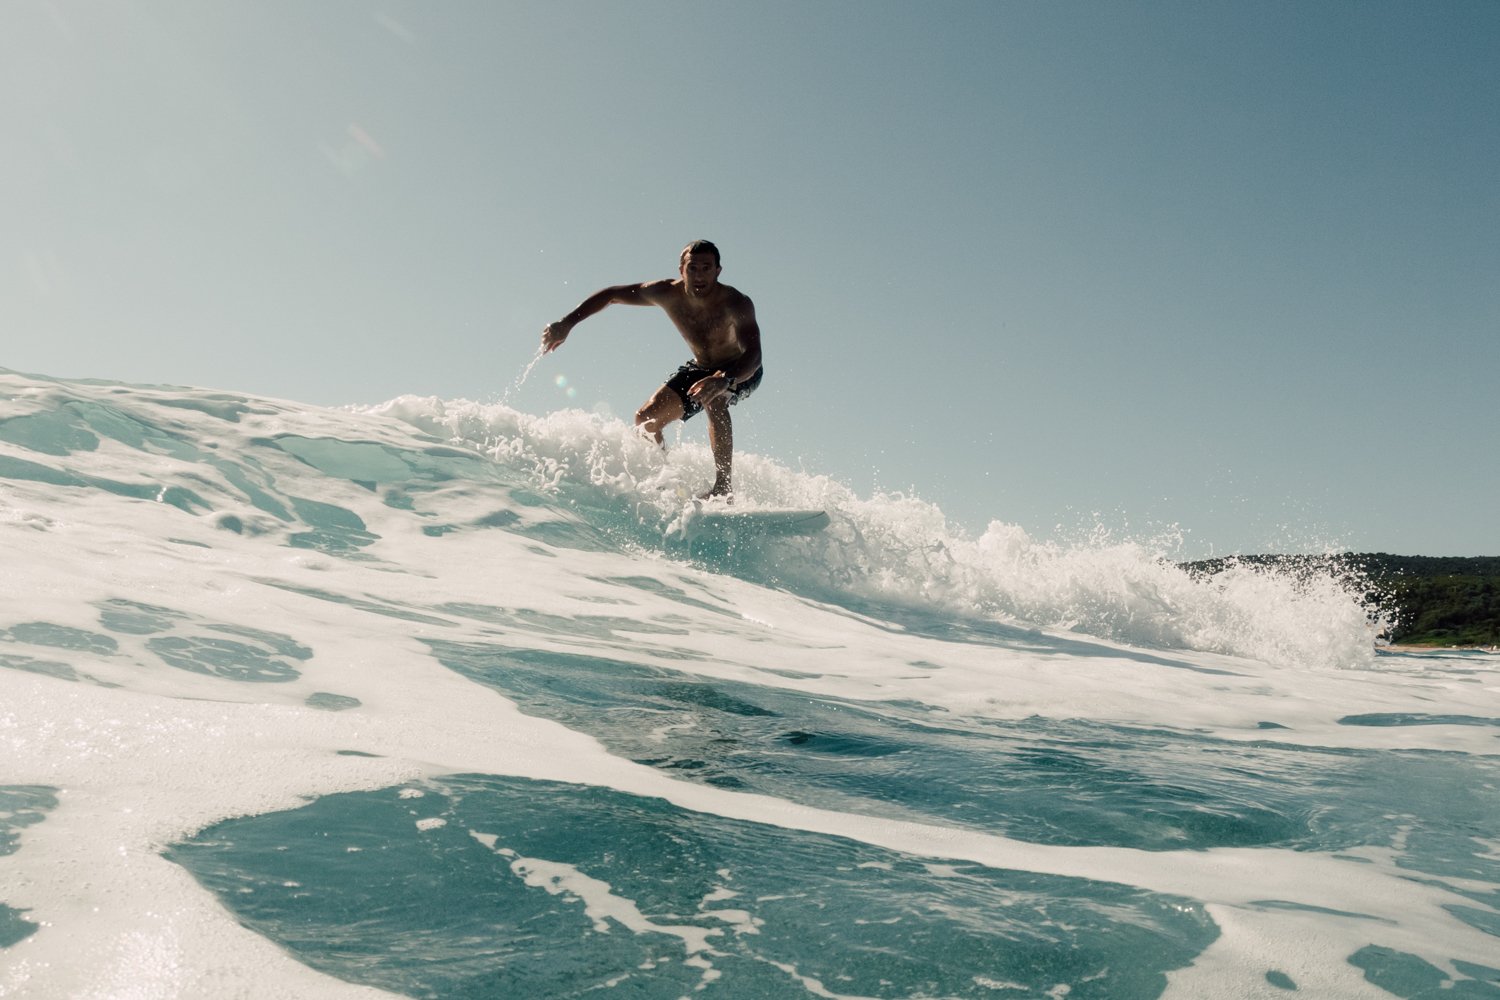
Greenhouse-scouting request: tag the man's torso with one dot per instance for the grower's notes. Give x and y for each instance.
(708, 325)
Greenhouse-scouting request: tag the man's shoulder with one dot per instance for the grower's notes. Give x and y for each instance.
(665, 285)
(659, 289)
(736, 299)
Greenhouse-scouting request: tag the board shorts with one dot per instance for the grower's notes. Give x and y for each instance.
(691, 372)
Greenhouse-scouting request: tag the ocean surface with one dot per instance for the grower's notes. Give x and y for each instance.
(441, 699)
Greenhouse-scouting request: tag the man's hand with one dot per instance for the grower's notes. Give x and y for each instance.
(553, 335)
(706, 390)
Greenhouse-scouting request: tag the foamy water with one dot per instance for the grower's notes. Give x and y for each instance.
(437, 698)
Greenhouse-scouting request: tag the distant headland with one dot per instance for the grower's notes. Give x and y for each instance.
(1435, 601)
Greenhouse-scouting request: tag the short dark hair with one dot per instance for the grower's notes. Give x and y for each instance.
(700, 246)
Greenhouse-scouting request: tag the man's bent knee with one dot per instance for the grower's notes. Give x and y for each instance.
(651, 420)
(660, 410)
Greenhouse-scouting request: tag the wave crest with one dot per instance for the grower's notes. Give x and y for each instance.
(897, 549)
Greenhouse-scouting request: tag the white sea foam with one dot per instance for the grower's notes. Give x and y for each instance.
(901, 549)
(143, 755)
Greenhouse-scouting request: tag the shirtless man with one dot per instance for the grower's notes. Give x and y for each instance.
(719, 326)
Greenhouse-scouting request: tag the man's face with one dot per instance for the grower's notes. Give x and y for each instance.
(700, 273)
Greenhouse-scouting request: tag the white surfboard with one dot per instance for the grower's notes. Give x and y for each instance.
(757, 520)
(719, 520)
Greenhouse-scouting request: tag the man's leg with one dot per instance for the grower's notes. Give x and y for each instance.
(661, 409)
(721, 443)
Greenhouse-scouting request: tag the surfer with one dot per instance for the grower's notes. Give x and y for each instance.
(718, 323)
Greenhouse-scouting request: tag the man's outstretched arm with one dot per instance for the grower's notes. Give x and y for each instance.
(643, 294)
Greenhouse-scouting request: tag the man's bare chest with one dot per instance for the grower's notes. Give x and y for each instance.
(704, 326)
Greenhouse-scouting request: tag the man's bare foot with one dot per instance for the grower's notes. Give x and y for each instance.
(718, 493)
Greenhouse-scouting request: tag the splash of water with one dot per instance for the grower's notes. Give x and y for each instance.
(900, 550)
(525, 373)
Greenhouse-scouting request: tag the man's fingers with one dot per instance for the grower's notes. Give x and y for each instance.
(705, 394)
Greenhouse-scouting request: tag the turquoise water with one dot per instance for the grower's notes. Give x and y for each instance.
(742, 909)
(442, 700)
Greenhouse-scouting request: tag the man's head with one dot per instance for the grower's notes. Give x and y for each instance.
(700, 267)
(700, 246)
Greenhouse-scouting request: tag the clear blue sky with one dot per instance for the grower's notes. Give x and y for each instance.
(1232, 266)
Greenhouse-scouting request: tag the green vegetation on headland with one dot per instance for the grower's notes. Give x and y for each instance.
(1430, 601)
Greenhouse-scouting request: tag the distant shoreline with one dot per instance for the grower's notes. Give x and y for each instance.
(1420, 647)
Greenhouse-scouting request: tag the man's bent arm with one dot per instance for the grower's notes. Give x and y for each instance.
(748, 332)
(643, 294)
